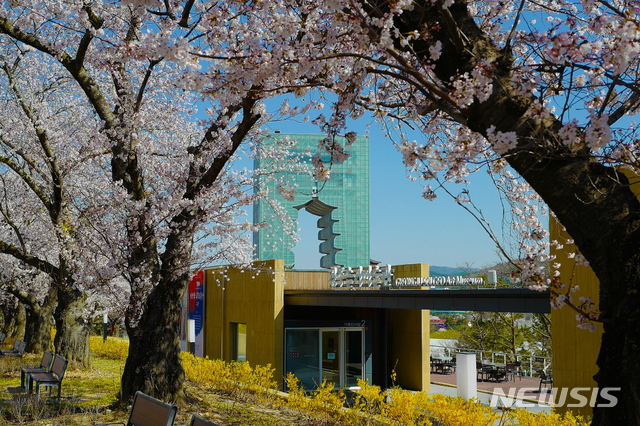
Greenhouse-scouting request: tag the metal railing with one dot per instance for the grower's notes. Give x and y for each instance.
(530, 365)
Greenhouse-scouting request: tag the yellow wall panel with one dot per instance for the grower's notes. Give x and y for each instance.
(247, 296)
(410, 348)
(307, 280)
(575, 350)
(411, 270)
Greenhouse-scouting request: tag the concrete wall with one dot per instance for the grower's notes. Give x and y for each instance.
(254, 297)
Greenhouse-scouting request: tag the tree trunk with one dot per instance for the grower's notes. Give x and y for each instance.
(72, 333)
(16, 321)
(594, 202)
(38, 327)
(153, 364)
(39, 319)
(617, 360)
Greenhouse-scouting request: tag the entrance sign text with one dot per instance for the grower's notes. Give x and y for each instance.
(438, 281)
(376, 276)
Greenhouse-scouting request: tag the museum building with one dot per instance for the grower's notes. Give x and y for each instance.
(253, 314)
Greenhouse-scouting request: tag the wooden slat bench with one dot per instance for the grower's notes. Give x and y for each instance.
(50, 378)
(148, 411)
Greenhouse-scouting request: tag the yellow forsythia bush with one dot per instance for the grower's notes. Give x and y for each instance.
(324, 405)
(450, 411)
(403, 407)
(523, 417)
(236, 379)
(370, 406)
(368, 401)
(406, 408)
(114, 347)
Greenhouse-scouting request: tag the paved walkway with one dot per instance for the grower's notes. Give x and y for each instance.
(522, 389)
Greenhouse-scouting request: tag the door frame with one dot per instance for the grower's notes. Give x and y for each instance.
(342, 333)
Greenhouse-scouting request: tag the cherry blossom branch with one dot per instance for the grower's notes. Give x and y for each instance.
(613, 9)
(76, 68)
(249, 118)
(143, 85)
(186, 12)
(54, 206)
(96, 23)
(36, 262)
(28, 180)
(454, 30)
(484, 224)
(9, 220)
(516, 21)
(629, 105)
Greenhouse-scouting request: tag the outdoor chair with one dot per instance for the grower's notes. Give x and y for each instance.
(497, 374)
(18, 349)
(518, 365)
(511, 369)
(546, 380)
(44, 367)
(148, 411)
(49, 378)
(483, 372)
(449, 367)
(196, 420)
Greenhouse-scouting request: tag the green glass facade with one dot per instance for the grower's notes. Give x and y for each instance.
(347, 190)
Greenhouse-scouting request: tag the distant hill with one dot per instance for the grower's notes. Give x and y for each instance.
(445, 271)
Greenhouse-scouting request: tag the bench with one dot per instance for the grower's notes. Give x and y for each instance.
(44, 367)
(196, 420)
(18, 349)
(148, 411)
(49, 378)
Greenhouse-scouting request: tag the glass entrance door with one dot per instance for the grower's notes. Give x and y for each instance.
(331, 357)
(353, 357)
(332, 354)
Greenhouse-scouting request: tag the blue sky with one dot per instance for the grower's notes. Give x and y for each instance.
(406, 228)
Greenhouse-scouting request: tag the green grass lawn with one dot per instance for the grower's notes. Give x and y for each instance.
(88, 395)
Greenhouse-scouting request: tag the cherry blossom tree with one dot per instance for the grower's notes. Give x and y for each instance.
(549, 88)
(39, 305)
(140, 70)
(40, 225)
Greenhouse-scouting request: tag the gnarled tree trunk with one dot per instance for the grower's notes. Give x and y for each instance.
(39, 323)
(72, 332)
(153, 364)
(595, 203)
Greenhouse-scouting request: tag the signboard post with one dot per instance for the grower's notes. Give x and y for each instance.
(105, 326)
(196, 313)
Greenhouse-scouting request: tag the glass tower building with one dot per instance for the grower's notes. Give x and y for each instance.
(341, 202)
